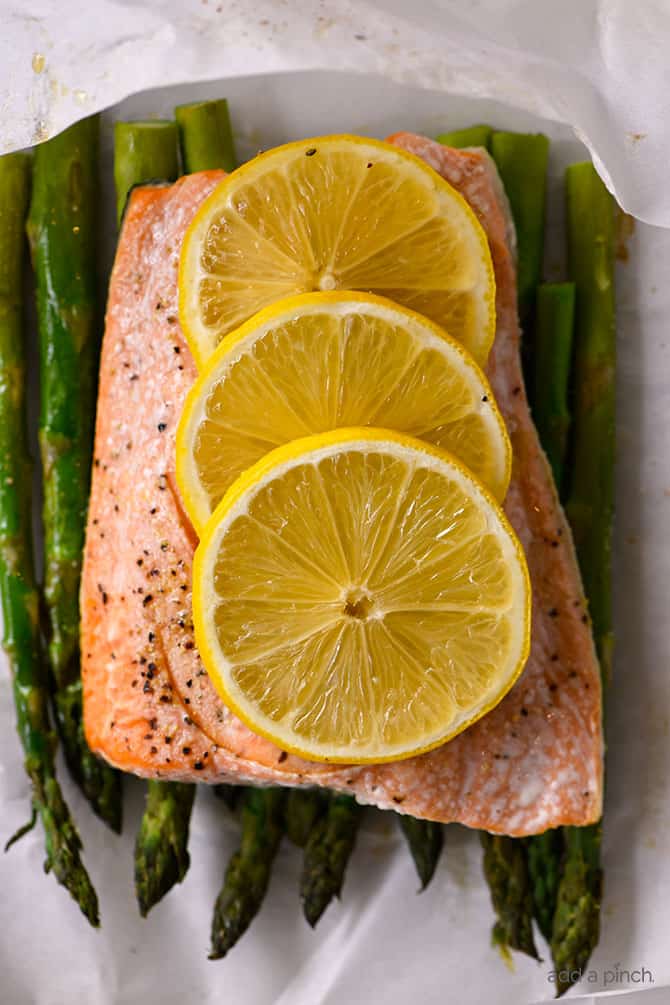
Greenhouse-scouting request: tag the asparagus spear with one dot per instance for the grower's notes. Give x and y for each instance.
(161, 855)
(205, 136)
(473, 136)
(143, 152)
(553, 356)
(506, 872)
(510, 872)
(147, 151)
(302, 811)
(206, 143)
(521, 159)
(544, 854)
(591, 243)
(18, 592)
(331, 842)
(576, 923)
(248, 872)
(553, 359)
(424, 840)
(62, 231)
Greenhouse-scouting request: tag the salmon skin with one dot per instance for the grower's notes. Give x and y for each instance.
(533, 762)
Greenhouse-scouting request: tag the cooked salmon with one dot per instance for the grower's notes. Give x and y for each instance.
(534, 762)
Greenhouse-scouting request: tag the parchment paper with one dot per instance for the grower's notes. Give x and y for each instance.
(600, 65)
(383, 943)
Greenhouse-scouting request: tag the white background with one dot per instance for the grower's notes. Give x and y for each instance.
(384, 943)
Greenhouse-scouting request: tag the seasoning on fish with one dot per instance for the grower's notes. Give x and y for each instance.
(534, 762)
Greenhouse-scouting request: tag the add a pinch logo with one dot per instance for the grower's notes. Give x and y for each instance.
(612, 977)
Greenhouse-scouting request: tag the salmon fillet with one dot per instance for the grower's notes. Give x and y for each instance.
(534, 762)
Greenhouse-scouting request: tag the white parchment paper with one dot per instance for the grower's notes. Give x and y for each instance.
(382, 943)
(600, 65)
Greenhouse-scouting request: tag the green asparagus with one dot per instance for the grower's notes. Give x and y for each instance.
(161, 847)
(591, 248)
(303, 809)
(62, 232)
(248, 872)
(553, 356)
(544, 853)
(424, 840)
(590, 506)
(147, 151)
(143, 152)
(205, 136)
(576, 923)
(473, 136)
(506, 872)
(553, 360)
(521, 159)
(327, 852)
(207, 143)
(18, 592)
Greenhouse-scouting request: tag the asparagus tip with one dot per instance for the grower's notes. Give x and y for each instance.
(161, 846)
(87, 898)
(313, 911)
(425, 840)
(156, 875)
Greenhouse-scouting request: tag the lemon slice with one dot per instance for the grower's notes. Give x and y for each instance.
(326, 360)
(358, 596)
(337, 212)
